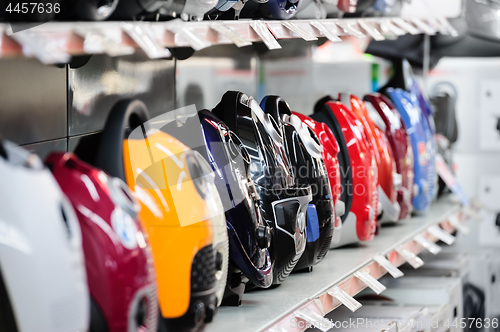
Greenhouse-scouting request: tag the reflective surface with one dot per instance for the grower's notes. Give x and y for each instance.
(33, 101)
(96, 86)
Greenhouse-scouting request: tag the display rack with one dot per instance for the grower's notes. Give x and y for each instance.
(56, 42)
(343, 273)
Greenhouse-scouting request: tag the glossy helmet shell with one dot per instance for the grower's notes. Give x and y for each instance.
(275, 9)
(389, 180)
(330, 153)
(401, 148)
(230, 161)
(283, 206)
(430, 131)
(165, 177)
(43, 286)
(409, 110)
(362, 192)
(106, 211)
(348, 6)
(304, 150)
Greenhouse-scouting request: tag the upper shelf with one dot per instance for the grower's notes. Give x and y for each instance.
(311, 293)
(56, 42)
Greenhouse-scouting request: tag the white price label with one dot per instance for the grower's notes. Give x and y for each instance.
(344, 298)
(410, 257)
(427, 244)
(391, 269)
(370, 281)
(441, 235)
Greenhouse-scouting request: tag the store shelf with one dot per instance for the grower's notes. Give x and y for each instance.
(56, 42)
(276, 309)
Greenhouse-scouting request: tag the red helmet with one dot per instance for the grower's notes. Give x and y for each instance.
(118, 261)
(389, 180)
(329, 154)
(360, 192)
(401, 148)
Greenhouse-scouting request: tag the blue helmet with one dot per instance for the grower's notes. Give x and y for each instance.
(416, 126)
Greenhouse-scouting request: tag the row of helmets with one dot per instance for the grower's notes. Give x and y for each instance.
(197, 9)
(152, 224)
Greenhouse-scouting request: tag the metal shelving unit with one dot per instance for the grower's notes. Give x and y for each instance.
(310, 296)
(56, 42)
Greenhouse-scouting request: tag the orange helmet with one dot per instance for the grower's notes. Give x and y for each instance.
(178, 210)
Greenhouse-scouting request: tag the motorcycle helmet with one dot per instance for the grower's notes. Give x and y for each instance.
(272, 9)
(123, 295)
(91, 10)
(401, 148)
(347, 6)
(412, 117)
(330, 154)
(389, 180)
(185, 9)
(311, 9)
(430, 131)
(283, 206)
(309, 169)
(43, 286)
(359, 171)
(384, 6)
(168, 179)
(249, 238)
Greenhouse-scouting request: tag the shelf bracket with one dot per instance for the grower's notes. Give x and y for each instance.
(344, 298)
(391, 269)
(263, 32)
(427, 244)
(314, 319)
(410, 257)
(370, 281)
(326, 32)
(441, 235)
(453, 220)
(227, 31)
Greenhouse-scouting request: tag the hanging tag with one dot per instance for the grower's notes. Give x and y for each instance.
(34, 44)
(298, 31)
(453, 220)
(227, 31)
(391, 269)
(350, 30)
(325, 31)
(394, 29)
(410, 257)
(314, 319)
(451, 30)
(427, 244)
(374, 33)
(267, 37)
(344, 298)
(406, 26)
(370, 281)
(195, 41)
(145, 39)
(97, 41)
(441, 235)
(426, 28)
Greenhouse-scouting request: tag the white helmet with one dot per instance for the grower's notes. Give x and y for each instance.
(42, 269)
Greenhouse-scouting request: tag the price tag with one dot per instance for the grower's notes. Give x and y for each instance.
(387, 27)
(314, 319)
(426, 28)
(453, 220)
(374, 33)
(410, 257)
(227, 31)
(441, 235)
(47, 50)
(298, 31)
(391, 269)
(267, 37)
(195, 41)
(96, 40)
(144, 37)
(427, 244)
(344, 298)
(350, 29)
(451, 181)
(370, 281)
(406, 26)
(326, 32)
(471, 213)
